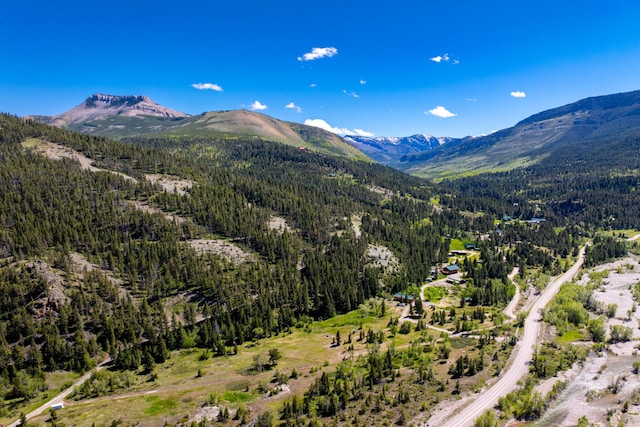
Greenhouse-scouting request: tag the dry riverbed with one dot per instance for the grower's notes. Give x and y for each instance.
(599, 388)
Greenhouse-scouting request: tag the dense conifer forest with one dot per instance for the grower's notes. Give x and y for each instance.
(55, 316)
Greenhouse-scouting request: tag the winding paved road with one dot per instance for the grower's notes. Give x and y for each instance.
(520, 357)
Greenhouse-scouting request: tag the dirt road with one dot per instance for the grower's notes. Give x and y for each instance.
(509, 310)
(59, 399)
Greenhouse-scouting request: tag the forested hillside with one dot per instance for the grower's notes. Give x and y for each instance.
(53, 209)
(584, 129)
(102, 260)
(594, 188)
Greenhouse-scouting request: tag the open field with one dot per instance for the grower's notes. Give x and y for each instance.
(192, 384)
(178, 392)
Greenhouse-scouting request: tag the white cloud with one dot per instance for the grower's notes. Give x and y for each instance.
(257, 105)
(518, 94)
(355, 95)
(363, 132)
(207, 86)
(322, 124)
(439, 58)
(472, 99)
(313, 85)
(440, 111)
(318, 52)
(319, 123)
(363, 82)
(292, 106)
(444, 58)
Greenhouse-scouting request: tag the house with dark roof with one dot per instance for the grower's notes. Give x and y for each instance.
(399, 296)
(451, 269)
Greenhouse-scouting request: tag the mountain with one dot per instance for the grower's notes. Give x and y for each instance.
(389, 150)
(138, 116)
(100, 106)
(582, 126)
(175, 263)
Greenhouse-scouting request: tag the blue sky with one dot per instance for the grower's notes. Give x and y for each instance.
(380, 68)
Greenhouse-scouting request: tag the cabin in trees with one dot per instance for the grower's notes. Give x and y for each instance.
(405, 298)
(451, 269)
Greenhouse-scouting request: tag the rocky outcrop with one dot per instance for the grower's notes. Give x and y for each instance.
(99, 106)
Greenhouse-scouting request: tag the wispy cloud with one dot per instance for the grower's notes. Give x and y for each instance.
(319, 123)
(258, 106)
(313, 85)
(363, 132)
(318, 52)
(518, 94)
(322, 124)
(207, 86)
(292, 106)
(363, 82)
(346, 92)
(472, 99)
(440, 111)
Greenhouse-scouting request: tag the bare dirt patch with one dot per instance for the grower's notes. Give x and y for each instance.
(56, 284)
(381, 256)
(58, 152)
(171, 183)
(150, 209)
(223, 248)
(381, 190)
(356, 223)
(278, 224)
(206, 413)
(80, 264)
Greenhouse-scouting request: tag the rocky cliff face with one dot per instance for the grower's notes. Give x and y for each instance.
(100, 106)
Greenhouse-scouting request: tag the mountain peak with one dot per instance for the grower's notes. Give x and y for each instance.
(389, 150)
(580, 127)
(117, 100)
(101, 106)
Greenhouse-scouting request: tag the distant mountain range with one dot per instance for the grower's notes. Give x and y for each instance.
(138, 116)
(390, 150)
(590, 123)
(586, 126)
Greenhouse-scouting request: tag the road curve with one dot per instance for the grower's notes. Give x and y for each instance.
(520, 357)
(60, 397)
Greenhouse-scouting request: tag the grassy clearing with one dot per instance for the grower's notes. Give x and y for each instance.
(570, 336)
(434, 293)
(158, 405)
(33, 143)
(55, 382)
(456, 245)
(180, 387)
(184, 383)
